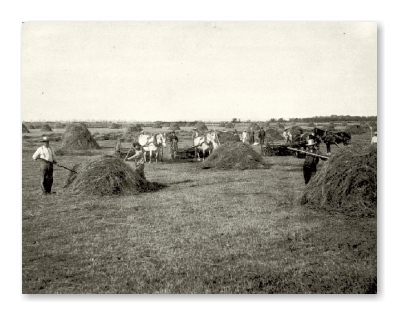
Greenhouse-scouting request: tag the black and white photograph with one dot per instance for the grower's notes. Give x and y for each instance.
(199, 157)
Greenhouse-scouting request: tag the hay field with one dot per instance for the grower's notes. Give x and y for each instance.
(209, 231)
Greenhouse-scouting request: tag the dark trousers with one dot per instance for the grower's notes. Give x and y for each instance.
(46, 176)
(262, 140)
(308, 172)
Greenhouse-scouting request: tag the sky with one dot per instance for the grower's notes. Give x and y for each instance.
(186, 71)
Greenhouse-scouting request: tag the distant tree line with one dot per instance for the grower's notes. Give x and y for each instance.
(332, 118)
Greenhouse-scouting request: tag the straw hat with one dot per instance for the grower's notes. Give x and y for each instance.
(310, 142)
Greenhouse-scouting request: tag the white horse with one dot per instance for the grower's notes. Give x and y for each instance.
(288, 136)
(209, 142)
(152, 144)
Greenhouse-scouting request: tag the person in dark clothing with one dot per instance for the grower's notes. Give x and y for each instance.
(173, 139)
(310, 162)
(261, 135)
(251, 140)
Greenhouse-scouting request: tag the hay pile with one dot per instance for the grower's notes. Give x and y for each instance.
(190, 124)
(115, 126)
(296, 130)
(329, 127)
(107, 175)
(174, 126)
(58, 125)
(133, 128)
(31, 126)
(25, 129)
(273, 134)
(78, 137)
(222, 125)
(201, 126)
(234, 155)
(357, 129)
(347, 182)
(254, 126)
(157, 125)
(226, 136)
(46, 128)
(229, 125)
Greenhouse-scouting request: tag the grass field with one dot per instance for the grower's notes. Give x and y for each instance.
(208, 232)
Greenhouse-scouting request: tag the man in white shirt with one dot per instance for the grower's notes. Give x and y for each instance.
(138, 157)
(374, 139)
(47, 158)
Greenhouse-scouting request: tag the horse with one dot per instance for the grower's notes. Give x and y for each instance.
(206, 143)
(330, 138)
(288, 136)
(152, 144)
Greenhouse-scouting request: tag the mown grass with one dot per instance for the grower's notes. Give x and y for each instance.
(208, 232)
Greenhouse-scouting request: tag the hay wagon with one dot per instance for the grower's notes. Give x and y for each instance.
(278, 148)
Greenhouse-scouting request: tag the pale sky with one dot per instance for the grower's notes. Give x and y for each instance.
(197, 71)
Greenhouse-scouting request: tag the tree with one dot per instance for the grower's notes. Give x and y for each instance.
(234, 120)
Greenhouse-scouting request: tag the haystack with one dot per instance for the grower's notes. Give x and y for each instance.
(78, 137)
(254, 126)
(58, 125)
(273, 134)
(157, 125)
(357, 129)
(115, 126)
(133, 128)
(229, 125)
(31, 126)
(296, 130)
(201, 126)
(329, 127)
(174, 126)
(107, 175)
(226, 136)
(234, 155)
(25, 129)
(46, 128)
(347, 182)
(222, 124)
(190, 124)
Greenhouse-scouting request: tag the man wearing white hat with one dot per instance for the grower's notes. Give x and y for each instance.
(310, 162)
(47, 158)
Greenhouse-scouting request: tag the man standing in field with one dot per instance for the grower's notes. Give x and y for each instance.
(195, 134)
(261, 135)
(310, 162)
(173, 139)
(139, 160)
(374, 139)
(47, 158)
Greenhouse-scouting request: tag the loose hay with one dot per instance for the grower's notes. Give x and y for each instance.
(115, 126)
(105, 176)
(224, 137)
(133, 128)
(46, 128)
(346, 182)
(229, 125)
(31, 126)
(234, 155)
(357, 129)
(273, 134)
(201, 126)
(25, 129)
(78, 137)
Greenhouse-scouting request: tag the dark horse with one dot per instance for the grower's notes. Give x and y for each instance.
(330, 138)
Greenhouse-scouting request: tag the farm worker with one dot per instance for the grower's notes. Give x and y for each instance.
(251, 141)
(195, 134)
(118, 148)
(47, 158)
(139, 160)
(286, 134)
(374, 139)
(310, 162)
(261, 135)
(244, 136)
(173, 139)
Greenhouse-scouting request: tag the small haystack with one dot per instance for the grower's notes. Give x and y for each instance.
(174, 126)
(296, 130)
(357, 129)
(133, 128)
(234, 155)
(190, 124)
(329, 127)
(58, 125)
(157, 125)
(254, 126)
(347, 182)
(222, 124)
(115, 126)
(107, 175)
(46, 128)
(273, 134)
(227, 136)
(78, 137)
(229, 125)
(201, 126)
(31, 126)
(25, 129)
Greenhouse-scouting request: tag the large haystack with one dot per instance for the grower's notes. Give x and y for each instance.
(46, 128)
(133, 128)
(157, 125)
(78, 137)
(347, 182)
(225, 136)
(25, 129)
(296, 130)
(107, 175)
(31, 126)
(229, 125)
(254, 126)
(234, 155)
(201, 126)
